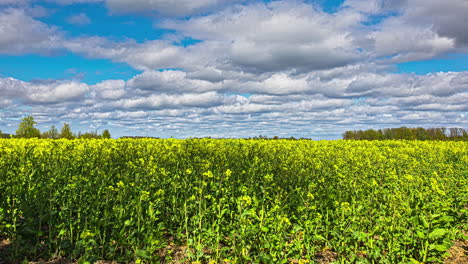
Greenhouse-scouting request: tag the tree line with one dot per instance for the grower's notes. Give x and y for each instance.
(27, 129)
(419, 133)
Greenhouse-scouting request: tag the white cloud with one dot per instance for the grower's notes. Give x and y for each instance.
(13, 2)
(43, 92)
(170, 81)
(444, 17)
(110, 89)
(172, 101)
(279, 83)
(167, 8)
(277, 36)
(5, 103)
(10, 87)
(283, 68)
(55, 92)
(405, 42)
(79, 19)
(145, 56)
(71, 2)
(415, 29)
(20, 34)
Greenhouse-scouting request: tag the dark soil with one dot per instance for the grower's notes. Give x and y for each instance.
(458, 252)
(326, 256)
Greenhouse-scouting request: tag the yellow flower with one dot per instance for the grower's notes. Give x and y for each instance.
(144, 196)
(120, 184)
(245, 200)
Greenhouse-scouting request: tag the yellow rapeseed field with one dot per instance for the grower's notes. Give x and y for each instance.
(232, 200)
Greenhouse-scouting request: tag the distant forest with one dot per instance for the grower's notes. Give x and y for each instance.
(445, 134)
(27, 129)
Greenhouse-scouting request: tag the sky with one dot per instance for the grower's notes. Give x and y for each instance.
(233, 68)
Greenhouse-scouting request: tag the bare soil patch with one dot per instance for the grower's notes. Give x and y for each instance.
(458, 252)
(326, 256)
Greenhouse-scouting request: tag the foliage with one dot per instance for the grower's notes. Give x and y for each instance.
(233, 200)
(456, 134)
(66, 132)
(51, 133)
(88, 135)
(27, 129)
(106, 134)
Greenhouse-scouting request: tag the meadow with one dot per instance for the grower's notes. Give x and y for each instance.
(232, 200)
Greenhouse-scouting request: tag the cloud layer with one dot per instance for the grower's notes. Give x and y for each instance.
(281, 68)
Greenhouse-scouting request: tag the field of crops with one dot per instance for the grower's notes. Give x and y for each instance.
(232, 200)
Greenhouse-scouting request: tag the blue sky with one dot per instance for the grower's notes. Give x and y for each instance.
(241, 68)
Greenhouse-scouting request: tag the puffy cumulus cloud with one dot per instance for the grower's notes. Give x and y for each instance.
(54, 92)
(327, 102)
(304, 105)
(110, 89)
(282, 68)
(249, 40)
(442, 16)
(167, 7)
(170, 81)
(404, 42)
(149, 55)
(260, 37)
(42, 92)
(32, 10)
(414, 29)
(340, 83)
(277, 84)
(5, 103)
(214, 74)
(402, 85)
(353, 82)
(160, 101)
(277, 36)
(158, 54)
(456, 102)
(21, 34)
(10, 87)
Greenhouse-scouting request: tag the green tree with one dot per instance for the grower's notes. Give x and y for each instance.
(66, 132)
(348, 135)
(51, 133)
(88, 135)
(26, 128)
(45, 134)
(106, 134)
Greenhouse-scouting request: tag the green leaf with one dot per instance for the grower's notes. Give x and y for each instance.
(413, 261)
(437, 233)
(425, 223)
(142, 254)
(440, 247)
(447, 219)
(420, 234)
